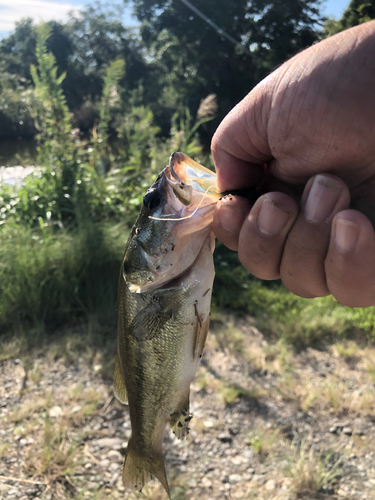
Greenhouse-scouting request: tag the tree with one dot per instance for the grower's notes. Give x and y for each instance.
(200, 56)
(357, 12)
(82, 47)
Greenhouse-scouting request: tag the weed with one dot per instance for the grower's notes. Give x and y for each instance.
(3, 449)
(370, 368)
(48, 278)
(347, 350)
(262, 440)
(230, 338)
(231, 392)
(29, 408)
(56, 458)
(308, 471)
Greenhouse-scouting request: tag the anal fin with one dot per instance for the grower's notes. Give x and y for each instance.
(118, 384)
(179, 421)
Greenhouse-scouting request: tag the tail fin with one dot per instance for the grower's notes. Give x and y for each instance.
(139, 470)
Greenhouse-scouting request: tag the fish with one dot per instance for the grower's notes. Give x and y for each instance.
(164, 297)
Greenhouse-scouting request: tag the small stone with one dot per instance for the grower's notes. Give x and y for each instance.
(333, 429)
(114, 456)
(104, 463)
(225, 438)
(209, 424)
(249, 454)
(114, 478)
(55, 411)
(235, 478)
(207, 483)
(114, 443)
(348, 431)
(270, 485)
(88, 466)
(76, 408)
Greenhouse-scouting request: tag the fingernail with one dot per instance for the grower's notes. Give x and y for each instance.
(272, 218)
(346, 235)
(322, 198)
(228, 216)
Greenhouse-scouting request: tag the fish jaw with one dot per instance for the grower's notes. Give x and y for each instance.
(189, 172)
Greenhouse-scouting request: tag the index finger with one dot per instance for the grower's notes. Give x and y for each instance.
(240, 144)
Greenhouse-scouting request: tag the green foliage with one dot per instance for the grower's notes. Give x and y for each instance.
(16, 98)
(60, 245)
(49, 277)
(357, 12)
(174, 59)
(52, 117)
(196, 59)
(109, 104)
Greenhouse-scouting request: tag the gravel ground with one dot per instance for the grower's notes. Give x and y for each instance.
(269, 423)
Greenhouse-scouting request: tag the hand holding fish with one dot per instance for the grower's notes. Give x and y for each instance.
(312, 121)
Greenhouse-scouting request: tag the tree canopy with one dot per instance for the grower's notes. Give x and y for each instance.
(181, 52)
(357, 12)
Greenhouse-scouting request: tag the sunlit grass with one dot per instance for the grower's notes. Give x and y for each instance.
(308, 471)
(263, 440)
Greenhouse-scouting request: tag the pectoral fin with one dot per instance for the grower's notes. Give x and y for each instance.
(118, 384)
(200, 333)
(148, 323)
(179, 421)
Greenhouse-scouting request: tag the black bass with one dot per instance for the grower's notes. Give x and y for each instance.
(163, 311)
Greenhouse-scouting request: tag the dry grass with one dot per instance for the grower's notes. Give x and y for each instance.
(28, 408)
(60, 425)
(265, 441)
(309, 472)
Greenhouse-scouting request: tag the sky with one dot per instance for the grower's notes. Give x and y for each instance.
(47, 10)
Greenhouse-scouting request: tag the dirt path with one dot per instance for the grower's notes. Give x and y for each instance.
(268, 423)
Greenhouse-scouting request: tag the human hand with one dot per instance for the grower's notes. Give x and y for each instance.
(313, 122)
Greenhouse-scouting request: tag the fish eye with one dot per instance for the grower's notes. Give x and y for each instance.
(151, 199)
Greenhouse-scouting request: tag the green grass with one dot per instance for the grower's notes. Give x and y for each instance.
(52, 277)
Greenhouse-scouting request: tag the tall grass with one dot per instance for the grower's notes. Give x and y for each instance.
(50, 277)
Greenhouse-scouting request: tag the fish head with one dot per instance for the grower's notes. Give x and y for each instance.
(172, 226)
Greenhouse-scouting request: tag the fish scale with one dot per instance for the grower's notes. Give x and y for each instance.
(164, 301)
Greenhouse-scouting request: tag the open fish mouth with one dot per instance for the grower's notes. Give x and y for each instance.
(191, 182)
